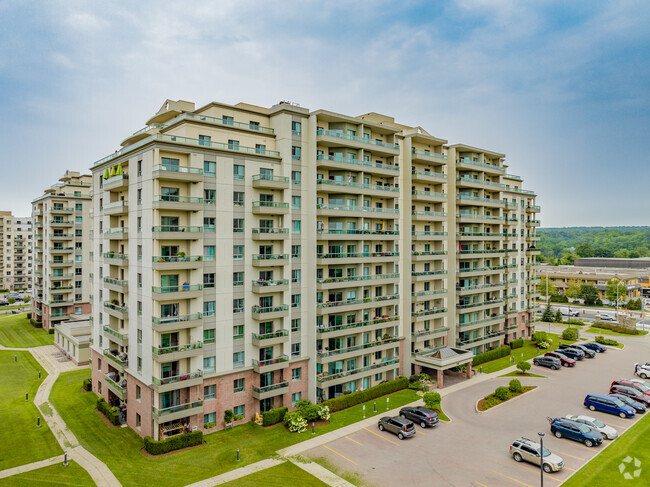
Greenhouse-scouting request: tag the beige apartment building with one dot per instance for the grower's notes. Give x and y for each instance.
(62, 244)
(248, 257)
(16, 252)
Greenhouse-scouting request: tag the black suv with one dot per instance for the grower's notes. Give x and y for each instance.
(420, 415)
(552, 362)
(574, 353)
(588, 352)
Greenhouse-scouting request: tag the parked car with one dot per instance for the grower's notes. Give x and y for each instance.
(588, 353)
(4, 303)
(636, 384)
(562, 427)
(566, 361)
(420, 415)
(596, 347)
(606, 404)
(630, 392)
(552, 362)
(567, 311)
(573, 353)
(608, 432)
(642, 370)
(607, 317)
(403, 428)
(523, 449)
(636, 405)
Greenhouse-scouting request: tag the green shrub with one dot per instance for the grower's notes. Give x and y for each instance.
(573, 321)
(228, 415)
(523, 366)
(540, 336)
(295, 422)
(307, 410)
(354, 398)
(413, 378)
(559, 298)
(87, 384)
(502, 393)
(606, 341)
(515, 386)
(274, 416)
(238, 417)
(110, 412)
(570, 334)
(634, 304)
(11, 300)
(490, 355)
(616, 328)
(432, 400)
(518, 343)
(29, 316)
(209, 425)
(177, 442)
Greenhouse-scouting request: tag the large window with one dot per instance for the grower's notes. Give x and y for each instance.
(208, 364)
(238, 171)
(209, 392)
(209, 168)
(238, 359)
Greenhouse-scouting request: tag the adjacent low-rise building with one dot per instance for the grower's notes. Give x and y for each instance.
(564, 276)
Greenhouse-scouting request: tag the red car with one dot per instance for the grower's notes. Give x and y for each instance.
(566, 361)
(639, 385)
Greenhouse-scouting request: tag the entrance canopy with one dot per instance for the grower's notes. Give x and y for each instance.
(443, 358)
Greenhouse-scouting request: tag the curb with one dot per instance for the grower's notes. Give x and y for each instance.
(503, 403)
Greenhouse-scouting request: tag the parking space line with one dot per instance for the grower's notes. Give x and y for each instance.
(377, 434)
(354, 441)
(566, 454)
(537, 472)
(585, 447)
(420, 433)
(334, 451)
(569, 468)
(479, 483)
(514, 480)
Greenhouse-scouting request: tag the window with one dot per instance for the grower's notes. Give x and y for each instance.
(260, 148)
(77, 310)
(78, 258)
(138, 392)
(78, 272)
(296, 128)
(233, 144)
(78, 207)
(295, 397)
(99, 364)
(296, 373)
(237, 278)
(77, 245)
(295, 251)
(209, 168)
(139, 168)
(254, 125)
(295, 153)
(209, 224)
(238, 305)
(226, 120)
(208, 364)
(238, 359)
(139, 196)
(209, 419)
(238, 171)
(209, 392)
(295, 324)
(77, 284)
(204, 140)
(237, 252)
(238, 198)
(78, 220)
(295, 275)
(295, 300)
(295, 349)
(139, 334)
(295, 202)
(139, 251)
(238, 385)
(140, 364)
(238, 331)
(238, 225)
(295, 177)
(208, 309)
(295, 226)
(209, 196)
(239, 410)
(208, 252)
(138, 420)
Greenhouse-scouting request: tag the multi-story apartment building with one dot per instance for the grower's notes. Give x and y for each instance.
(248, 257)
(62, 245)
(16, 258)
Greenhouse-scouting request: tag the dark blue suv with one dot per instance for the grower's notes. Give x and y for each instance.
(573, 353)
(596, 347)
(608, 404)
(573, 430)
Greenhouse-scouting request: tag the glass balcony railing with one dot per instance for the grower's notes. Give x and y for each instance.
(326, 376)
(367, 209)
(177, 378)
(347, 255)
(357, 324)
(177, 228)
(466, 160)
(482, 303)
(480, 181)
(177, 199)
(487, 336)
(122, 230)
(273, 334)
(223, 121)
(114, 358)
(481, 217)
(179, 169)
(269, 309)
(272, 387)
(114, 255)
(177, 348)
(429, 293)
(378, 165)
(428, 273)
(116, 204)
(176, 319)
(61, 262)
(330, 353)
(421, 333)
(340, 231)
(328, 280)
(428, 312)
(183, 288)
(109, 379)
(177, 258)
(176, 409)
(357, 301)
(480, 234)
(270, 177)
(484, 251)
(269, 204)
(429, 234)
(116, 282)
(476, 198)
(356, 185)
(428, 193)
(214, 145)
(270, 256)
(429, 173)
(341, 135)
(429, 154)
(480, 322)
(108, 330)
(115, 307)
(431, 252)
(272, 361)
(271, 282)
(428, 213)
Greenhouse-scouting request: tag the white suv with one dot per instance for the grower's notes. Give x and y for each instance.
(523, 449)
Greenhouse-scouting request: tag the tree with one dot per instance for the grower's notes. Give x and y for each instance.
(558, 316)
(26, 299)
(547, 315)
(573, 291)
(585, 250)
(541, 287)
(524, 367)
(603, 252)
(432, 400)
(616, 290)
(11, 300)
(589, 294)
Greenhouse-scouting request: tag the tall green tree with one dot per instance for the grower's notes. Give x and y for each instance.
(589, 293)
(585, 250)
(541, 287)
(612, 293)
(573, 291)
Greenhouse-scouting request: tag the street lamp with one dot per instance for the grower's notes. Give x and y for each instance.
(541, 459)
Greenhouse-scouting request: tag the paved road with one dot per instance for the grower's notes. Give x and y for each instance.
(473, 449)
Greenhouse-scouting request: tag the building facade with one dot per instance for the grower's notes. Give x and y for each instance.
(248, 257)
(632, 280)
(62, 244)
(16, 252)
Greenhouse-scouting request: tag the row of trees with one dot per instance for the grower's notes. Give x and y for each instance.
(616, 290)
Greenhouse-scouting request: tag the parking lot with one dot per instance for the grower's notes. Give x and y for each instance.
(473, 450)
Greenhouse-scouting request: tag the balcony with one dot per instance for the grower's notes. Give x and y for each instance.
(464, 182)
(61, 236)
(428, 176)
(340, 377)
(121, 312)
(264, 366)
(429, 216)
(118, 233)
(170, 354)
(117, 359)
(533, 209)
(270, 286)
(492, 320)
(427, 334)
(215, 145)
(173, 323)
(61, 250)
(267, 181)
(477, 236)
(58, 276)
(270, 208)
(340, 186)
(427, 156)
(354, 257)
(475, 217)
(340, 234)
(118, 182)
(111, 381)
(177, 262)
(334, 162)
(480, 271)
(334, 138)
(61, 223)
(114, 258)
(424, 256)
(370, 325)
(419, 236)
(176, 232)
(177, 412)
(477, 201)
(533, 223)
(430, 196)
(270, 233)
(352, 304)
(172, 202)
(472, 165)
(177, 173)
(116, 208)
(61, 210)
(178, 381)
(480, 339)
(356, 211)
(479, 305)
(480, 253)
(184, 291)
(270, 260)
(335, 282)
(61, 263)
(266, 313)
(426, 314)
(345, 353)
(116, 284)
(268, 339)
(119, 338)
(60, 302)
(272, 390)
(419, 276)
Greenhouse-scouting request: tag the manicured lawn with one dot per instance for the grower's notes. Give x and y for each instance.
(21, 441)
(53, 475)
(15, 306)
(527, 352)
(603, 331)
(119, 447)
(16, 332)
(517, 373)
(603, 469)
(280, 475)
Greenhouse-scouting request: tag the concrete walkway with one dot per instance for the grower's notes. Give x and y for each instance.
(238, 473)
(30, 466)
(322, 474)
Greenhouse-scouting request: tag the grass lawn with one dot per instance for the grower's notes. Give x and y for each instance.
(53, 475)
(527, 352)
(15, 306)
(603, 468)
(22, 442)
(353, 477)
(517, 373)
(603, 331)
(119, 447)
(278, 476)
(16, 332)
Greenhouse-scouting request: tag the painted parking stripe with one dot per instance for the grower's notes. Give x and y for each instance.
(420, 433)
(592, 449)
(354, 441)
(514, 480)
(377, 434)
(479, 483)
(569, 468)
(337, 453)
(566, 454)
(537, 472)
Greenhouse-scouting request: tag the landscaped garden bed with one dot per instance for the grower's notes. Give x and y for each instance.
(503, 394)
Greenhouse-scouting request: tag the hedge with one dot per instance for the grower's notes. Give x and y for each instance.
(87, 385)
(606, 341)
(29, 316)
(158, 447)
(616, 328)
(349, 400)
(110, 412)
(274, 416)
(570, 334)
(518, 343)
(490, 355)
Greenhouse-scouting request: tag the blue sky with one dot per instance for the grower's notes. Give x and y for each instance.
(560, 87)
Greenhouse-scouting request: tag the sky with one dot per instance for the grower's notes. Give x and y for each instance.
(562, 88)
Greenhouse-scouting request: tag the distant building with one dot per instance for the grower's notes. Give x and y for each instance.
(16, 252)
(563, 276)
(619, 263)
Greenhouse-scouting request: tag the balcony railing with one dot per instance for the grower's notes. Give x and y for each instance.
(180, 169)
(116, 282)
(478, 322)
(428, 273)
(356, 185)
(428, 193)
(222, 121)
(269, 309)
(357, 324)
(177, 258)
(272, 387)
(346, 255)
(432, 252)
(176, 319)
(116, 204)
(488, 336)
(270, 256)
(183, 288)
(429, 173)
(109, 379)
(429, 293)
(270, 177)
(358, 301)
(341, 135)
(271, 230)
(378, 165)
(177, 199)
(482, 303)
(329, 353)
(269, 204)
(116, 230)
(337, 231)
(328, 280)
(465, 160)
(433, 331)
(428, 213)
(481, 217)
(272, 361)
(271, 282)
(177, 348)
(476, 198)
(176, 409)
(480, 181)
(177, 228)
(177, 378)
(480, 234)
(480, 286)
(273, 334)
(214, 145)
(114, 255)
(428, 312)
(110, 331)
(429, 154)
(429, 234)
(367, 209)
(325, 376)
(114, 358)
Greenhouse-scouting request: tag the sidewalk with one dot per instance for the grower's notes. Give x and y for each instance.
(238, 473)
(30, 466)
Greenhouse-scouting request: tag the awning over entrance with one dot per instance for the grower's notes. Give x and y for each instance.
(443, 358)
